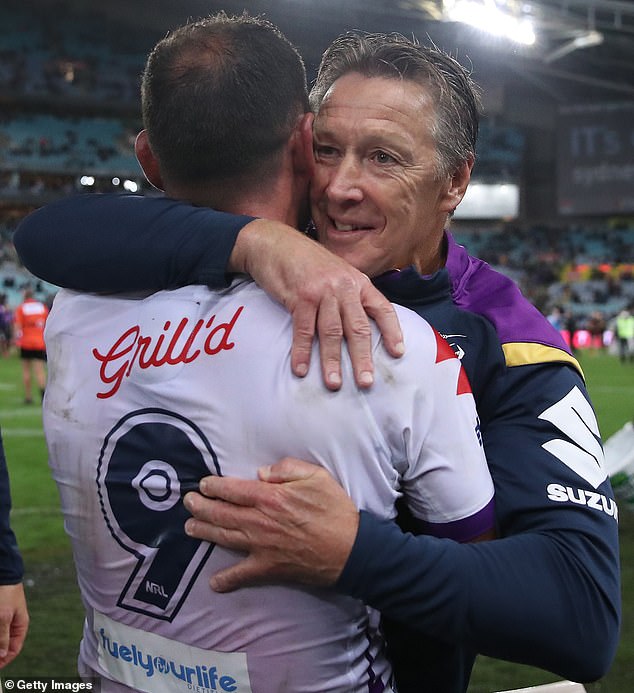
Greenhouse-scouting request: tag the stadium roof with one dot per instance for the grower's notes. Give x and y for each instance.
(584, 49)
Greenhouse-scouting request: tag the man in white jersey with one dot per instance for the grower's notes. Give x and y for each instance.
(147, 395)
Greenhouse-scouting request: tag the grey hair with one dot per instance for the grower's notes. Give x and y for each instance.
(394, 56)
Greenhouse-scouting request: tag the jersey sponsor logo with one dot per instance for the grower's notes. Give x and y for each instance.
(458, 350)
(148, 461)
(444, 352)
(582, 453)
(181, 342)
(155, 588)
(597, 501)
(149, 662)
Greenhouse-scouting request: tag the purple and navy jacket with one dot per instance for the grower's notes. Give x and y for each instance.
(546, 592)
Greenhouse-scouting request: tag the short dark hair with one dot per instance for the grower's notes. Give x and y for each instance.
(395, 56)
(220, 97)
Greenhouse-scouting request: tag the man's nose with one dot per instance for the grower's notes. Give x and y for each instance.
(346, 180)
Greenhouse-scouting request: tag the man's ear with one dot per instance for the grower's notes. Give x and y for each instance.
(458, 184)
(147, 160)
(303, 157)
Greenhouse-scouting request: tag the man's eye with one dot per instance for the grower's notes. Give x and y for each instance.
(383, 158)
(324, 151)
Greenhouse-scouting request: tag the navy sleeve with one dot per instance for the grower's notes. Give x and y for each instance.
(11, 569)
(547, 592)
(114, 242)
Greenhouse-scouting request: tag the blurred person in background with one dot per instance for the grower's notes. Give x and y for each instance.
(29, 321)
(394, 136)
(624, 330)
(556, 318)
(6, 322)
(596, 326)
(570, 327)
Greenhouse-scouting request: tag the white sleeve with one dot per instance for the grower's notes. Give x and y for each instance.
(444, 473)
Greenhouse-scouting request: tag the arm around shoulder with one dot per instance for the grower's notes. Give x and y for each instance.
(113, 242)
(547, 592)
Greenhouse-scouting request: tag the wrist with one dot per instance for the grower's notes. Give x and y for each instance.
(248, 236)
(256, 243)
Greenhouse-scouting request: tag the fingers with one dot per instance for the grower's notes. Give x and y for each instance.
(304, 322)
(342, 311)
(14, 622)
(302, 527)
(16, 642)
(250, 492)
(333, 312)
(5, 629)
(319, 316)
(384, 315)
(230, 489)
(330, 331)
(358, 334)
(221, 523)
(289, 469)
(213, 533)
(247, 572)
(326, 296)
(209, 512)
(342, 316)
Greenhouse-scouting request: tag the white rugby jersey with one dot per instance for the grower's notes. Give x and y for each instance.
(147, 395)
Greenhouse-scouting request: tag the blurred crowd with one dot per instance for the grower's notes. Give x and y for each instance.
(580, 276)
(72, 94)
(86, 56)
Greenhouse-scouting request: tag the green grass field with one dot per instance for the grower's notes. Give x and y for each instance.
(56, 612)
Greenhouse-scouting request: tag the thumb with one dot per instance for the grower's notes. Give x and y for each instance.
(247, 572)
(287, 469)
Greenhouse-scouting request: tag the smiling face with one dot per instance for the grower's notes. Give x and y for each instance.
(377, 201)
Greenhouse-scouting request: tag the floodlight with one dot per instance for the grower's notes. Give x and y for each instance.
(586, 40)
(493, 17)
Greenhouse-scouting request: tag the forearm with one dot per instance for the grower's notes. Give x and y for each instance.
(127, 243)
(11, 568)
(117, 243)
(539, 599)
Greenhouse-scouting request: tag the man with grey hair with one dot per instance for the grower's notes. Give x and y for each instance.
(169, 387)
(395, 143)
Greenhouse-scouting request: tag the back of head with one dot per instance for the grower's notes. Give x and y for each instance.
(393, 56)
(220, 97)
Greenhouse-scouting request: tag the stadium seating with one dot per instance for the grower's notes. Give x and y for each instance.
(71, 87)
(50, 143)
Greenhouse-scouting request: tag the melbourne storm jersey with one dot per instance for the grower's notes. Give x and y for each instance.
(148, 395)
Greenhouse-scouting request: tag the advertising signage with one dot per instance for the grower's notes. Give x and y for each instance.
(595, 159)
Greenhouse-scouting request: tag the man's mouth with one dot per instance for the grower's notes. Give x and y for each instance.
(347, 227)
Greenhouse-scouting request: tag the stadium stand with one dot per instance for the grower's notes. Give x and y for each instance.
(69, 81)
